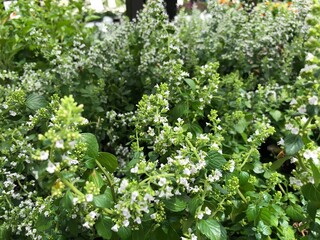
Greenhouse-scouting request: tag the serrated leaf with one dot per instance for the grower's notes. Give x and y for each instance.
(252, 212)
(36, 101)
(103, 227)
(295, 212)
(104, 200)
(268, 216)
(96, 178)
(292, 144)
(108, 160)
(215, 160)
(193, 204)
(276, 115)
(92, 144)
(212, 229)
(180, 110)
(191, 83)
(175, 204)
(264, 229)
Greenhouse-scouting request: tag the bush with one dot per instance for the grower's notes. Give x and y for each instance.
(202, 128)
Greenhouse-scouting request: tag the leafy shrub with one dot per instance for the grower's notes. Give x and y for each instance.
(201, 122)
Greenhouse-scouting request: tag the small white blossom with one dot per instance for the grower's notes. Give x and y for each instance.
(302, 109)
(134, 196)
(313, 100)
(115, 228)
(293, 102)
(59, 144)
(200, 215)
(12, 113)
(89, 197)
(153, 216)
(93, 214)
(134, 170)
(44, 155)
(51, 168)
(207, 211)
(86, 225)
(126, 223)
(232, 165)
(281, 142)
(162, 182)
(137, 220)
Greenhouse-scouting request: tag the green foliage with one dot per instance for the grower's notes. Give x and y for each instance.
(201, 117)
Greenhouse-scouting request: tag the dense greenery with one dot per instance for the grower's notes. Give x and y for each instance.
(206, 127)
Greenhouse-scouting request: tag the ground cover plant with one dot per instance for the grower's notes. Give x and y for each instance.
(206, 127)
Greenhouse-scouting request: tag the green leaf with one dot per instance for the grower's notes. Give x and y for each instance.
(4, 233)
(295, 212)
(191, 83)
(269, 217)
(316, 173)
(96, 178)
(104, 200)
(276, 115)
(243, 178)
(90, 162)
(264, 229)
(312, 110)
(311, 193)
(194, 203)
(103, 227)
(252, 212)
(175, 204)
(292, 144)
(278, 163)
(35, 101)
(241, 126)
(312, 209)
(215, 160)
(124, 232)
(212, 229)
(180, 110)
(66, 201)
(108, 160)
(194, 128)
(92, 144)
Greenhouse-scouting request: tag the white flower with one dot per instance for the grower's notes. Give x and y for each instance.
(153, 216)
(75, 201)
(86, 225)
(281, 142)
(126, 213)
(59, 144)
(200, 215)
(207, 211)
(293, 102)
(51, 168)
(309, 56)
(44, 155)
(232, 165)
(302, 109)
(12, 113)
(126, 223)
(89, 197)
(162, 182)
(308, 154)
(123, 186)
(313, 100)
(134, 196)
(5, 106)
(187, 171)
(193, 237)
(93, 214)
(115, 228)
(137, 220)
(148, 197)
(134, 170)
(295, 131)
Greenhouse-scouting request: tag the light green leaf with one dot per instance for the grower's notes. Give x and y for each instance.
(92, 144)
(191, 83)
(292, 144)
(316, 173)
(35, 101)
(264, 229)
(276, 115)
(215, 160)
(252, 212)
(212, 229)
(66, 201)
(108, 160)
(175, 204)
(96, 178)
(124, 232)
(311, 193)
(269, 217)
(241, 126)
(295, 212)
(103, 227)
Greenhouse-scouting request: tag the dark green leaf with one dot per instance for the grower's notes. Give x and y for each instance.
(124, 233)
(312, 209)
(92, 144)
(103, 227)
(252, 212)
(312, 110)
(175, 204)
(191, 83)
(212, 229)
(108, 160)
(243, 178)
(193, 204)
(292, 144)
(180, 110)
(104, 200)
(66, 201)
(269, 217)
(90, 162)
(194, 128)
(35, 101)
(215, 160)
(278, 163)
(311, 193)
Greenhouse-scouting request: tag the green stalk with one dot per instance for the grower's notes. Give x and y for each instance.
(241, 195)
(109, 180)
(71, 186)
(247, 158)
(193, 149)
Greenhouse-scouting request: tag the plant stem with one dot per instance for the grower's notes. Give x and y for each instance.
(71, 186)
(247, 158)
(241, 195)
(109, 180)
(193, 149)
(281, 188)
